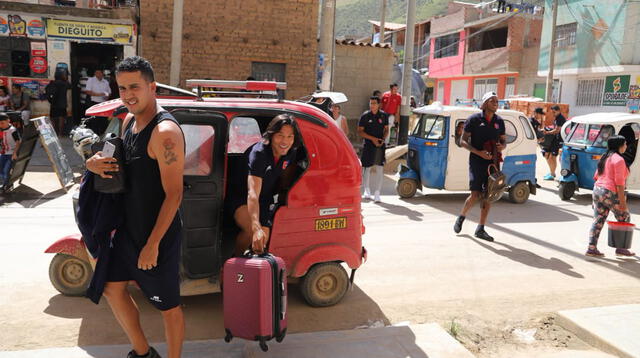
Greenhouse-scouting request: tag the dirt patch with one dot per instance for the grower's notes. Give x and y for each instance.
(502, 339)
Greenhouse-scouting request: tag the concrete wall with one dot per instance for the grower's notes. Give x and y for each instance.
(593, 48)
(358, 71)
(221, 39)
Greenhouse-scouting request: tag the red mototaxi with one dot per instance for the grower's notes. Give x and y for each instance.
(317, 231)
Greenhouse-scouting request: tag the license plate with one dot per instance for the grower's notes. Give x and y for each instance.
(331, 224)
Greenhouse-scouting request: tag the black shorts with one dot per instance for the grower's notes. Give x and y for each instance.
(161, 284)
(478, 176)
(267, 210)
(57, 112)
(552, 150)
(372, 155)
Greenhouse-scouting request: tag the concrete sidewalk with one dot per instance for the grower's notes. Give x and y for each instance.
(416, 341)
(612, 329)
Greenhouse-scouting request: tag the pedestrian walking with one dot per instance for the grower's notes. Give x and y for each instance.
(483, 136)
(147, 247)
(553, 142)
(56, 92)
(391, 106)
(609, 193)
(9, 145)
(373, 128)
(341, 120)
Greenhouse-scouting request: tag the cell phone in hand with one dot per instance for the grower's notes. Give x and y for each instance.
(108, 150)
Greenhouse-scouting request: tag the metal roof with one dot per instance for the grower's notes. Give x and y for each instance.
(607, 117)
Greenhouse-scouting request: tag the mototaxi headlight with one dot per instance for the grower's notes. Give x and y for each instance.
(564, 172)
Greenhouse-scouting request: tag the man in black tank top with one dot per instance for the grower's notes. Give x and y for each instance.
(147, 248)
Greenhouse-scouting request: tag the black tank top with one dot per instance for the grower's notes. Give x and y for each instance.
(145, 194)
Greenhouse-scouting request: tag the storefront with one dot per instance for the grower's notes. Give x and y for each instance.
(83, 47)
(605, 92)
(33, 47)
(23, 55)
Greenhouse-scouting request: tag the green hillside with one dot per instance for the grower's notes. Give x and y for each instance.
(352, 15)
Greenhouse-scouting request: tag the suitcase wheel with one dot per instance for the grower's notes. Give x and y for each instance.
(263, 345)
(228, 336)
(280, 337)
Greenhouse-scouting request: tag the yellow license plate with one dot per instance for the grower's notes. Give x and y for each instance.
(331, 224)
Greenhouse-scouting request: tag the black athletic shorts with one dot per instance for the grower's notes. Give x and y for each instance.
(478, 176)
(161, 284)
(57, 112)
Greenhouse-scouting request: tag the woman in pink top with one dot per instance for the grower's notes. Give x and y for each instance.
(608, 193)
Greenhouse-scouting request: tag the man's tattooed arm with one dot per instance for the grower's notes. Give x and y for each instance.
(169, 154)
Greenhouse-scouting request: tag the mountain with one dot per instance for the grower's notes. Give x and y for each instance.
(352, 15)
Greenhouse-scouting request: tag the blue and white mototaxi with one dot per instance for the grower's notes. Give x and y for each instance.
(585, 140)
(436, 160)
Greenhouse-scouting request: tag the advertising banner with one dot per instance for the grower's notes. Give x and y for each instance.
(616, 90)
(38, 48)
(34, 86)
(21, 25)
(122, 34)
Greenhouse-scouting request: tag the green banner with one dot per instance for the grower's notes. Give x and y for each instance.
(616, 90)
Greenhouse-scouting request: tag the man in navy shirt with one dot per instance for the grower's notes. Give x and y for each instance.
(373, 127)
(483, 136)
(551, 152)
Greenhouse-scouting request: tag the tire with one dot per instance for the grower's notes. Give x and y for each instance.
(325, 284)
(566, 190)
(70, 275)
(406, 188)
(519, 193)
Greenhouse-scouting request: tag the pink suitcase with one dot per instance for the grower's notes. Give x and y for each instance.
(254, 298)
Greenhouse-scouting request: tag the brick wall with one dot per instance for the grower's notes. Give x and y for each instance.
(221, 39)
(358, 71)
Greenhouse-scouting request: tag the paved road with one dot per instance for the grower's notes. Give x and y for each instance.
(418, 270)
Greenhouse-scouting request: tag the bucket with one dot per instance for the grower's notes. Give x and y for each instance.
(620, 234)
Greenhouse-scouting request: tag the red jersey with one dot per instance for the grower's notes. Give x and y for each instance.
(391, 103)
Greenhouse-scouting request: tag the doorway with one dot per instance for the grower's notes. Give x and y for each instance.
(85, 59)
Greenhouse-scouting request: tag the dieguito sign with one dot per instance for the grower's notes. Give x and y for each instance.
(122, 34)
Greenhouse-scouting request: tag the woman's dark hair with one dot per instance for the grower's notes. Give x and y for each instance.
(5, 89)
(613, 145)
(276, 125)
(134, 64)
(60, 75)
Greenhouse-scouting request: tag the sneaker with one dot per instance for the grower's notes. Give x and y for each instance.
(625, 252)
(376, 197)
(151, 354)
(549, 177)
(457, 227)
(481, 234)
(594, 253)
(367, 197)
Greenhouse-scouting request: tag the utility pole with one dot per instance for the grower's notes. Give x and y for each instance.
(176, 43)
(552, 51)
(407, 73)
(383, 11)
(327, 42)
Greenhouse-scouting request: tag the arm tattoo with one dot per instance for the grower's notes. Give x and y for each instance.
(169, 155)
